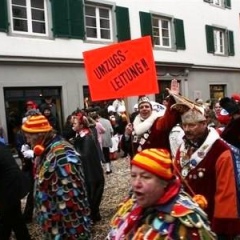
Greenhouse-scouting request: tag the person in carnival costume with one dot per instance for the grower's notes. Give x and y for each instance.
(206, 164)
(150, 129)
(158, 208)
(87, 145)
(61, 203)
(231, 132)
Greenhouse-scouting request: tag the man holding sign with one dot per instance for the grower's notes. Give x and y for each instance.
(150, 129)
(128, 69)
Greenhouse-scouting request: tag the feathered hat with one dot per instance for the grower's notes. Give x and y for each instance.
(190, 111)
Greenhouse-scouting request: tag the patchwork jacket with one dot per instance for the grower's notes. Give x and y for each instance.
(179, 218)
(62, 207)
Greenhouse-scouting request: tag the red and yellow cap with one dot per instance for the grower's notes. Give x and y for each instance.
(156, 161)
(36, 124)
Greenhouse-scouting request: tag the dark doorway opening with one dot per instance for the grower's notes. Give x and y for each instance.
(15, 105)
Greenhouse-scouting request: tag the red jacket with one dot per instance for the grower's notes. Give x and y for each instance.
(217, 183)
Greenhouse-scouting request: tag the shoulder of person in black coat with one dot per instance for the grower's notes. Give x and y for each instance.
(7, 161)
(13, 184)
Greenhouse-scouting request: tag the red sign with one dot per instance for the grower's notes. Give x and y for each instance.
(121, 70)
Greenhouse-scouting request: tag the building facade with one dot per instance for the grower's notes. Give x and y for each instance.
(42, 41)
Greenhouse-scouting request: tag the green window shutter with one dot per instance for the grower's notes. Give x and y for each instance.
(231, 50)
(3, 16)
(60, 14)
(146, 24)
(68, 18)
(77, 29)
(123, 24)
(227, 3)
(209, 39)
(179, 34)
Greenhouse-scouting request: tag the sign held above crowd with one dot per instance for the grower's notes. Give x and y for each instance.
(121, 70)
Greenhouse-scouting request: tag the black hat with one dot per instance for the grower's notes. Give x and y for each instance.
(229, 105)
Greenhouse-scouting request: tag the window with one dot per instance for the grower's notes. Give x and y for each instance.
(161, 32)
(220, 41)
(98, 23)
(219, 44)
(29, 16)
(87, 96)
(163, 85)
(73, 19)
(166, 32)
(220, 3)
(217, 2)
(217, 91)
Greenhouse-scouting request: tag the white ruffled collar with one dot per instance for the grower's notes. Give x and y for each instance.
(190, 162)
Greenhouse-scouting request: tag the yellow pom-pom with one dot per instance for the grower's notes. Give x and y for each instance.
(201, 201)
(38, 150)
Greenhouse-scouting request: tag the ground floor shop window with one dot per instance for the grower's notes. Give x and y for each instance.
(217, 92)
(88, 103)
(163, 93)
(15, 105)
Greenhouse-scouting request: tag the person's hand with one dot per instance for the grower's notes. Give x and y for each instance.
(28, 154)
(174, 89)
(25, 147)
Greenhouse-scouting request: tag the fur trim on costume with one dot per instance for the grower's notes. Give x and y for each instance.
(141, 126)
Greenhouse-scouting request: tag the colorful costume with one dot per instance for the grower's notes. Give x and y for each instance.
(169, 215)
(209, 171)
(176, 216)
(153, 132)
(61, 200)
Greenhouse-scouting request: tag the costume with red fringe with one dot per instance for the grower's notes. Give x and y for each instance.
(175, 216)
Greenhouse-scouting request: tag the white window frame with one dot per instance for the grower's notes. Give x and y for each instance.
(160, 29)
(98, 23)
(218, 3)
(219, 41)
(30, 20)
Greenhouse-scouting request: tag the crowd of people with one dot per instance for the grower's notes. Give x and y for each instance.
(184, 161)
